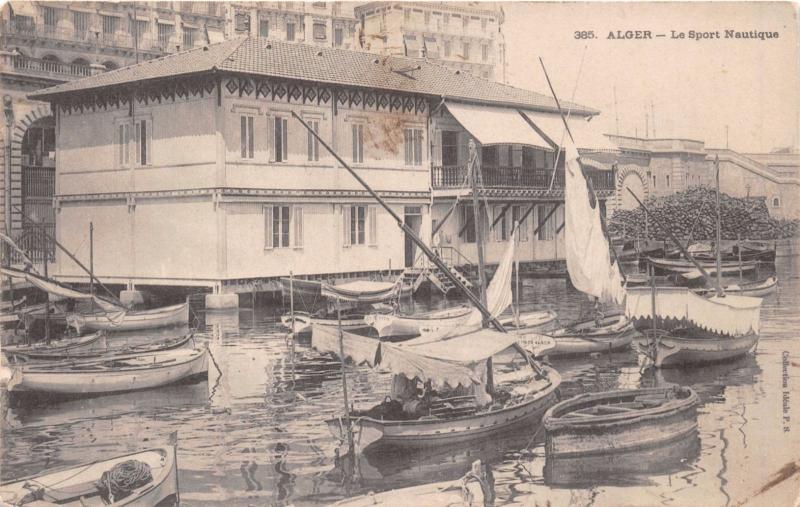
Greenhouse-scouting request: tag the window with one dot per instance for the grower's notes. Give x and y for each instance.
(123, 139)
(338, 37)
(188, 37)
(468, 224)
(447, 49)
(654, 181)
(465, 51)
(283, 226)
(668, 181)
(445, 19)
(546, 229)
(290, 31)
(522, 226)
(142, 137)
(80, 22)
(164, 34)
(499, 220)
(313, 142)
(137, 28)
(776, 202)
(413, 146)
(246, 137)
(50, 17)
(449, 147)
(466, 22)
(407, 15)
(320, 31)
(358, 143)
(281, 140)
(483, 24)
(357, 220)
(427, 18)
(263, 28)
(489, 156)
(110, 24)
(485, 53)
(241, 22)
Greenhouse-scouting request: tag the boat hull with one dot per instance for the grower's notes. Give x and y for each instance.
(164, 485)
(409, 326)
(437, 432)
(683, 266)
(675, 352)
(87, 343)
(132, 320)
(617, 333)
(618, 432)
(756, 289)
(66, 381)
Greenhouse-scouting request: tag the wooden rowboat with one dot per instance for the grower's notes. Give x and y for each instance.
(110, 375)
(104, 352)
(530, 321)
(83, 485)
(619, 421)
(62, 347)
(614, 332)
(686, 347)
(303, 322)
(131, 320)
(760, 288)
(684, 266)
(694, 276)
(397, 325)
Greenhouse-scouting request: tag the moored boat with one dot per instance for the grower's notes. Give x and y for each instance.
(619, 421)
(110, 375)
(130, 320)
(760, 288)
(684, 266)
(606, 334)
(398, 325)
(303, 321)
(62, 347)
(456, 368)
(530, 321)
(143, 478)
(109, 350)
(694, 276)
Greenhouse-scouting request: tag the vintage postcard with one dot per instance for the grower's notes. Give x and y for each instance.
(400, 253)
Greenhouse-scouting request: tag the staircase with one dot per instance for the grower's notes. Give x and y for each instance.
(414, 277)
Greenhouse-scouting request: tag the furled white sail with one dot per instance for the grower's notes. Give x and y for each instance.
(498, 295)
(587, 250)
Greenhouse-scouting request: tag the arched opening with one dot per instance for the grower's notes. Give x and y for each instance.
(110, 65)
(776, 202)
(632, 181)
(38, 182)
(81, 61)
(51, 63)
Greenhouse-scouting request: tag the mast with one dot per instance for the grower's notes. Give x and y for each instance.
(350, 441)
(477, 221)
(91, 262)
(719, 235)
(47, 294)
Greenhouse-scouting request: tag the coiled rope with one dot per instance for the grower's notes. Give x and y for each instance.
(124, 477)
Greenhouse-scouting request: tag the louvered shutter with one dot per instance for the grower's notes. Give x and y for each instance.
(297, 216)
(373, 225)
(268, 227)
(346, 225)
(271, 137)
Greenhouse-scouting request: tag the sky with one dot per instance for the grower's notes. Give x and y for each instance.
(694, 88)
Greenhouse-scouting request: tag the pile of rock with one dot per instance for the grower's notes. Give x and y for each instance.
(693, 213)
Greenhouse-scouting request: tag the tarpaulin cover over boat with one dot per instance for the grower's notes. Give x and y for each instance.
(496, 125)
(57, 289)
(729, 315)
(586, 247)
(445, 362)
(362, 291)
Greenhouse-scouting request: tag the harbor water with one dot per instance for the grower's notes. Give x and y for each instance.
(254, 433)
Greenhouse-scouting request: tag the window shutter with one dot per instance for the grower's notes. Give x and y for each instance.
(268, 227)
(346, 225)
(354, 133)
(149, 146)
(271, 138)
(136, 140)
(285, 138)
(373, 225)
(243, 137)
(297, 215)
(437, 147)
(250, 139)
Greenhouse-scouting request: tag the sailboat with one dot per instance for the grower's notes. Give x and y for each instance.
(683, 328)
(591, 269)
(457, 372)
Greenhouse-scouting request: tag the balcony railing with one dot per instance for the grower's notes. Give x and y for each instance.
(34, 243)
(443, 177)
(37, 65)
(117, 39)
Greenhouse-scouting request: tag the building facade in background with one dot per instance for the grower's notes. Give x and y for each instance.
(463, 36)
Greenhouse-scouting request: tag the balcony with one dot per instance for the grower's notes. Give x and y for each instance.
(117, 39)
(49, 68)
(454, 177)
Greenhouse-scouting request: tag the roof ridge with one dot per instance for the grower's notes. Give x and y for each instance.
(242, 40)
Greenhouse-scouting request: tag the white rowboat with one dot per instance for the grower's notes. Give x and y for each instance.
(64, 347)
(132, 320)
(110, 375)
(78, 486)
(396, 325)
(615, 332)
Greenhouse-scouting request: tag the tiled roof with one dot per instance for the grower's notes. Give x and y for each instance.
(257, 56)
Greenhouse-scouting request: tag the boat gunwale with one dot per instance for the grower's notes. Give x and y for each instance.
(90, 339)
(556, 423)
(109, 354)
(49, 368)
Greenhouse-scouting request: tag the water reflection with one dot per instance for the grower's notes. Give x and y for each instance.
(255, 434)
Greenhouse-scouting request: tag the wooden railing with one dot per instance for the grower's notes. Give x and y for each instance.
(33, 243)
(513, 177)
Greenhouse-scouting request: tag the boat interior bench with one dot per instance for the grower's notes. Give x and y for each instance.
(455, 406)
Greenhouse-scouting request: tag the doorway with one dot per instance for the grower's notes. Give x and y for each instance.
(413, 220)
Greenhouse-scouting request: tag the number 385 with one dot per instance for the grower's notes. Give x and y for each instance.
(584, 34)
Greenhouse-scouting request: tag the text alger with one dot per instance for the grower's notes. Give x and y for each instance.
(692, 35)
